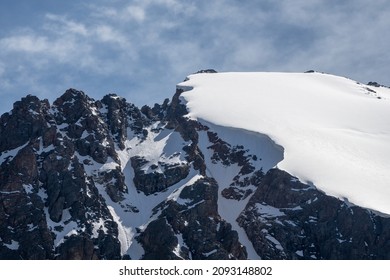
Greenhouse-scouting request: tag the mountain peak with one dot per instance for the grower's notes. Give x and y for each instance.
(74, 104)
(208, 175)
(73, 94)
(30, 103)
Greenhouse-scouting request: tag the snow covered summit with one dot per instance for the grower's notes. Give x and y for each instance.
(335, 132)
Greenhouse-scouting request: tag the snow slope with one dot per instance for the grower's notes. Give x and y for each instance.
(156, 148)
(334, 131)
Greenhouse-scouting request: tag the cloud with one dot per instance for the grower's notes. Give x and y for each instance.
(124, 14)
(142, 48)
(62, 25)
(135, 13)
(24, 43)
(348, 39)
(38, 49)
(106, 33)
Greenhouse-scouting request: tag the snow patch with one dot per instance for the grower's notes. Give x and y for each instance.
(28, 188)
(180, 244)
(97, 226)
(273, 240)
(65, 228)
(13, 246)
(10, 154)
(299, 253)
(268, 211)
(124, 233)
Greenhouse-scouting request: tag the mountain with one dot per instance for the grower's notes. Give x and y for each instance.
(234, 166)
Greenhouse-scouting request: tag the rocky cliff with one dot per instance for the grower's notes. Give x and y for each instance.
(103, 179)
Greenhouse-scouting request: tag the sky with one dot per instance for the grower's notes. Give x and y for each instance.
(140, 49)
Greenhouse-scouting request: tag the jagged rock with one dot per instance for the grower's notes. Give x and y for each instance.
(23, 231)
(45, 174)
(286, 219)
(157, 181)
(77, 248)
(117, 117)
(192, 217)
(374, 84)
(114, 182)
(206, 71)
(159, 241)
(26, 121)
(84, 125)
(235, 193)
(158, 111)
(227, 155)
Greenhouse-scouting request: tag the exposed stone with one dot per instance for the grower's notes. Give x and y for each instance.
(26, 121)
(194, 217)
(157, 181)
(286, 219)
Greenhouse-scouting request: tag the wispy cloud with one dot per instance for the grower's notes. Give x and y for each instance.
(25, 43)
(61, 24)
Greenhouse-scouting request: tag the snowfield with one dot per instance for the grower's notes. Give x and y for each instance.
(335, 132)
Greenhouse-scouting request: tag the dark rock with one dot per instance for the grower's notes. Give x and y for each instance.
(117, 117)
(26, 121)
(194, 217)
(235, 193)
(206, 71)
(286, 219)
(159, 241)
(77, 247)
(374, 84)
(157, 181)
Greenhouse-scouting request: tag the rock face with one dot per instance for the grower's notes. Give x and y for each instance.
(161, 177)
(189, 227)
(286, 219)
(87, 179)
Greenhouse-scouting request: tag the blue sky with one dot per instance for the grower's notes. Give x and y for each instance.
(141, 49)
